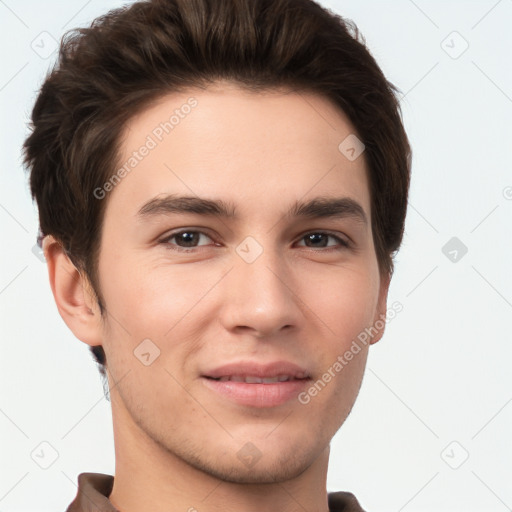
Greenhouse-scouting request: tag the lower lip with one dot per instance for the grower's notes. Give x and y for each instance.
(257, 395)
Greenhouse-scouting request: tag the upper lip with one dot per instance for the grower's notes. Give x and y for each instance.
(254, 369)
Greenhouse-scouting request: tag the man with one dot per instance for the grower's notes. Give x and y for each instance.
(221, 188)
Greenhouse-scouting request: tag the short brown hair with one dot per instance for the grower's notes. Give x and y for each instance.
(113, 69)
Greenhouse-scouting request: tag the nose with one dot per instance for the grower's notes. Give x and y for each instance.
(261, 296)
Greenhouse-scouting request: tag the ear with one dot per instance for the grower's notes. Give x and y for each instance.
(379, 322)
(73, 294)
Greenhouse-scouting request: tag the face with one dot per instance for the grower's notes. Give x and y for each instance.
(209, 304)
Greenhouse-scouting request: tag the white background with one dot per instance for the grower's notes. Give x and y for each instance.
(440, 375)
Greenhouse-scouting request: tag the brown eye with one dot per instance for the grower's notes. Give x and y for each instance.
(184, 239)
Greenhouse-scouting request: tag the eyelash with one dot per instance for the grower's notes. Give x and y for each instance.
(343, 244)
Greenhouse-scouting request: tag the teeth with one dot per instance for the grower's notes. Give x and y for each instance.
(256, 380)
(253, 380)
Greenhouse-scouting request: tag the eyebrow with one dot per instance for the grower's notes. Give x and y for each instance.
(316, 208)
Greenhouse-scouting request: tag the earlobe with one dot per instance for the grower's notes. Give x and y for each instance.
(73, 294)
(379, 322)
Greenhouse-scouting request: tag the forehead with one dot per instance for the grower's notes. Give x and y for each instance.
(250, 148)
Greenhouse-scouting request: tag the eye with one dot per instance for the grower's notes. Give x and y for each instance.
(318, 239)
(188, 237)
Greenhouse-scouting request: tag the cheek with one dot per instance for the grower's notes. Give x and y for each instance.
(164, 304)
(346, 302)
(148, 299)
(346, 307)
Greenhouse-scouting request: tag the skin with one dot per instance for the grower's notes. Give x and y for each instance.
(176, 442)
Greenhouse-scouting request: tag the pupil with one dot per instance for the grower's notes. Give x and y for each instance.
(314, 236)
(187, 236)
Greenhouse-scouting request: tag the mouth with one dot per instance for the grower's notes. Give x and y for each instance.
(252, 379)
(254, 385)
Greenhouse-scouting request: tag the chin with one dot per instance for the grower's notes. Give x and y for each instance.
(261, 471)
(257, 462)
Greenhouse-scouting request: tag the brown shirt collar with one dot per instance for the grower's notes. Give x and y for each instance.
(95, 488)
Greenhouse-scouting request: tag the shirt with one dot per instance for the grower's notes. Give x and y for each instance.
(95, 488)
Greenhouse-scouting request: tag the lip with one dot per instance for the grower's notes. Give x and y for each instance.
(259, 395)
(255, 369)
